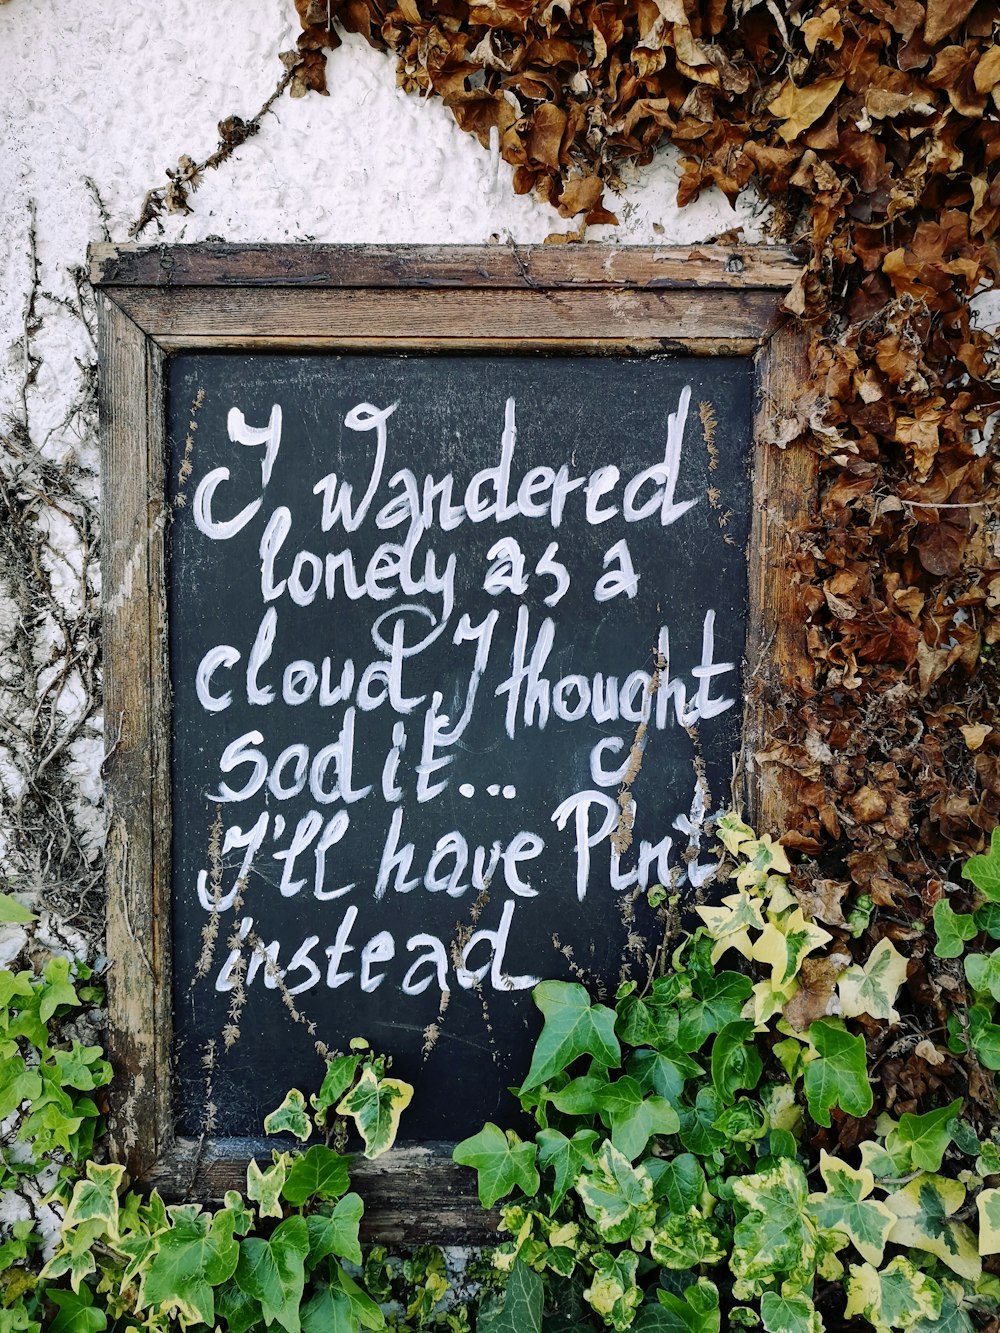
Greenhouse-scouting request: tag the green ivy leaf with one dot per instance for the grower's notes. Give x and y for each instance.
(927, 1136)
(735, 1062)
(81, 1067)
(566, 1157)
(336, 1232)
(662, 1072)
(680, 1180)
(952, 930)
(721, 1001)
(502, 1160)
(634, 1119)
(573, 1027)
(696, 1310)
(746, 1121)
(320, 1173)
(896, 1297)
(238, 1311)
(18, 1084)
(984, 871)
(789, 1314)
(697, 1129)
(845, 1207)
(984, 1035)
(56, 988)
(340, 1306)
(520, 1309)
(375, 1104)
(982, 971)
(617, 1196)
(273, 1272)
(580, 1096)
(987, 917)
(838, 1076)
(13, 913)
(195, 1255)
(339, 1076)
(77, 1313)
(291, 1117)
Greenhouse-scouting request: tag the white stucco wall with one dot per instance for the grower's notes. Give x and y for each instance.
(98, 101)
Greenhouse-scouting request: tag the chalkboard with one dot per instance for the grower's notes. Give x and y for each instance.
(597, 349)
(427, 614)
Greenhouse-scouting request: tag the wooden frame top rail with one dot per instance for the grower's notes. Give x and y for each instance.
(508, 268)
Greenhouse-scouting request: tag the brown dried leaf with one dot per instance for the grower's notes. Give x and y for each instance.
(943, 17)
(815, 997)
(798, 108)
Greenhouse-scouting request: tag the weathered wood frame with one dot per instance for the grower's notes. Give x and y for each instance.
(153, 302)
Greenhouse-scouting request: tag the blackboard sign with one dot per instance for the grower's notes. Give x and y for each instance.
(426, 614)
(409, 556)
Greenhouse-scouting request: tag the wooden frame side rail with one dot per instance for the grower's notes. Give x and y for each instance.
(155, 301)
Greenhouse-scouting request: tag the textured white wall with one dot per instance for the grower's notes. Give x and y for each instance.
(98, 101)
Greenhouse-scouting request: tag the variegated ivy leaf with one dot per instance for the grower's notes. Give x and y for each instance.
(197, 1254)
(764, 857)
(730, 924)
(291, 1117)
(896, 1297)
(952, 1318)
(889, 1160)
(685, 1240)
(846, 1208)
(733, 833)
(375, 1105)
(838, 1075)
(784, 944)
(75, 1255)
(264, 1187)
(872, 989)
(613, 1293)
(95, 1199)
(618, 1197)
(792, 1313)
(776, 1234)
(923, 1210)
(988, 1204)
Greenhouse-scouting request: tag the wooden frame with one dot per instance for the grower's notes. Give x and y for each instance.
(152, 302)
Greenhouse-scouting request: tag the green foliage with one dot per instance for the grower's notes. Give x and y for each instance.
(671, 1172)
(270, 1260)
(678, 1176)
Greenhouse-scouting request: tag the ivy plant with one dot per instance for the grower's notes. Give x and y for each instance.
(677, 1175)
